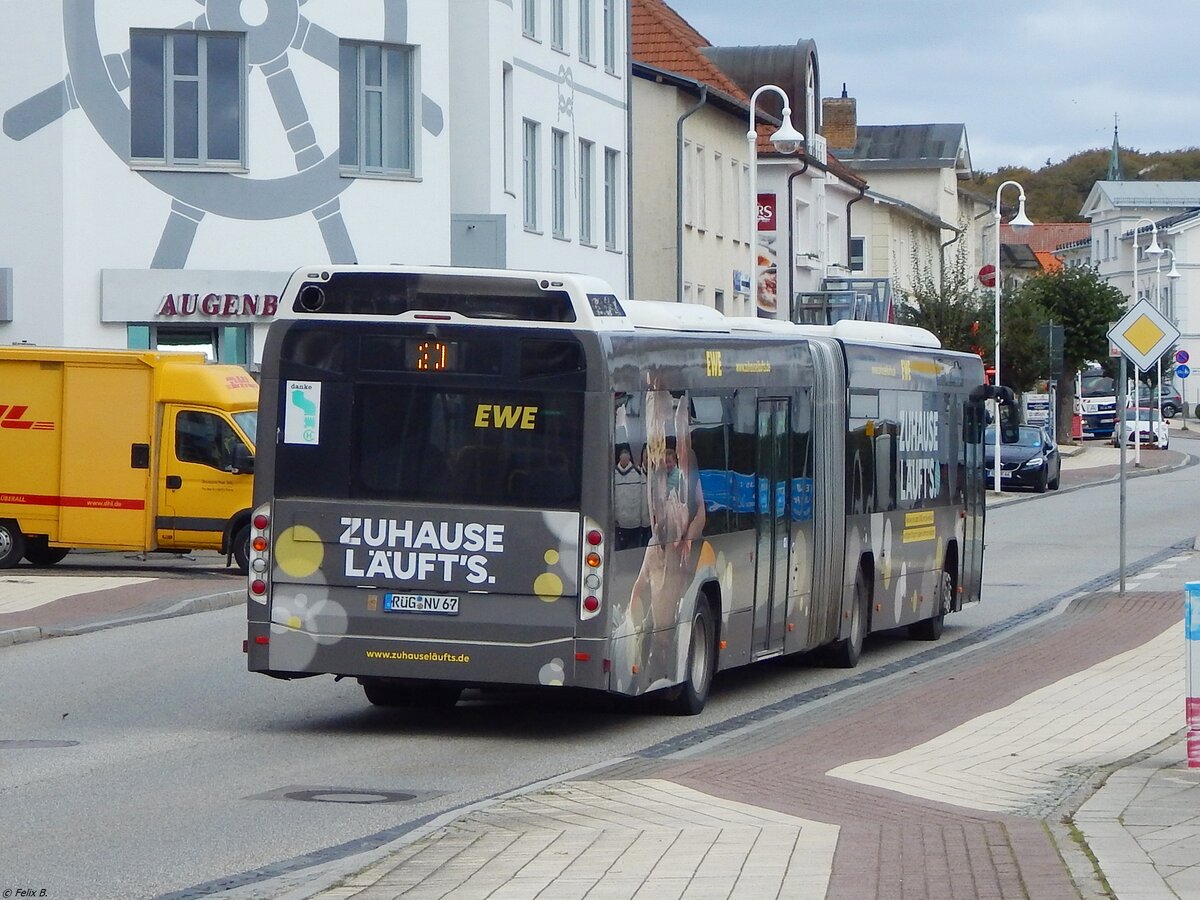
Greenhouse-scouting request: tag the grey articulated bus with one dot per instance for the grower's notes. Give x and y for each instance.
(443, 454)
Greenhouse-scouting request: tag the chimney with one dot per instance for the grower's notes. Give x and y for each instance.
(839, 121)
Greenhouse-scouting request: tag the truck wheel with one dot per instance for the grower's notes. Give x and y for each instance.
(688, 699)
(12, 544)
(39, 553)
(241, 548)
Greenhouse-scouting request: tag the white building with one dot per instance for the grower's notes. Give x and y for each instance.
(168, 164)
(692, 166)
(919, 210)
(1115, 209)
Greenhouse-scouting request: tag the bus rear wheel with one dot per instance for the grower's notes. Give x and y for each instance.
(688, 698)
(382, 692)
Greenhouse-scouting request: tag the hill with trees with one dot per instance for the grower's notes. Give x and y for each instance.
(1055, 193)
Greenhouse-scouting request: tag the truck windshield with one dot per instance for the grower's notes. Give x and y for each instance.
(248, 422)
(1098, 386)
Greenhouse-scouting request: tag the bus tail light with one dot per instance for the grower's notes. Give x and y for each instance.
(591, 571)
(260, 553)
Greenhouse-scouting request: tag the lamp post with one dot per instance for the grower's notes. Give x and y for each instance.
(1020, 220)
(1155, 250)
(786, 140)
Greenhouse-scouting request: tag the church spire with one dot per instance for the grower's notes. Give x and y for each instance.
(1114, 158)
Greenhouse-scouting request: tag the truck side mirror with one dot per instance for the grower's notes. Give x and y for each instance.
(243, 459)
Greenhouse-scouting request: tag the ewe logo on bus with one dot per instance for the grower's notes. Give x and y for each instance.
(419, 551)
(302, 414)
(920, 475)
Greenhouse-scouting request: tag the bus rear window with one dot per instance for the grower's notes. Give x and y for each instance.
(467, 447)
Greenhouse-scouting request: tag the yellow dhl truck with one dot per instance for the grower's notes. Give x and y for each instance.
(123, 450)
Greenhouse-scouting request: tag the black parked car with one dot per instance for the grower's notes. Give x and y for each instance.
(1030, 461)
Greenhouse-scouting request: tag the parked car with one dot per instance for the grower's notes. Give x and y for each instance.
(1031, 461)
(1151, 424)
(1169, 400)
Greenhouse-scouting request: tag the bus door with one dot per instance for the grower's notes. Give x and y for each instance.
(772, 542)
(974, 490)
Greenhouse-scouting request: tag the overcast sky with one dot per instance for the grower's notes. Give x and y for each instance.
(1032, 81)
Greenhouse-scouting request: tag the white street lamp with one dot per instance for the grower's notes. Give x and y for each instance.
(786, 140)
(1155, 250)
(1020, 220)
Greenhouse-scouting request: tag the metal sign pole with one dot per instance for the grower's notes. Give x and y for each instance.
(1121, 389)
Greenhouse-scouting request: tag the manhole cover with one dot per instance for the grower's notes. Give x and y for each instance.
(307, 793)
(344, 796)
(36, 745)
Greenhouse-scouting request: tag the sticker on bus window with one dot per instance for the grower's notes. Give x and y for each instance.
(302, 413)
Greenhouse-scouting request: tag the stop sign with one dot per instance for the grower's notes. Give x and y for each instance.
(987, 275)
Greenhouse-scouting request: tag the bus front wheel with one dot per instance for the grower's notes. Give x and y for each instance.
(931, 629)
(846, 652)
(688, 698)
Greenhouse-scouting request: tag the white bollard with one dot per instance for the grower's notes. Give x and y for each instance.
(1191, 627)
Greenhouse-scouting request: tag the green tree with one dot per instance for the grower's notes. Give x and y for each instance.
(1086, 306)
(944, 299)
(962, 316)
(1023, 353)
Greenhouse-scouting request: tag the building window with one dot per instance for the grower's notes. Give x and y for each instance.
(748, 201)
(529, 17)
(689, 184)
(719, 188)
(530, 169)
(585, 30)
(377, 135)
(719, 301)
(610, 36)
(612, 191)
(701, 189)
(187, 98)
(586, 182)
(506, 79)
(858, 254)
(558, 182)
(558, 24)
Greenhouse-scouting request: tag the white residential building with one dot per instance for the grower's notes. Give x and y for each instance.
(168, 164)
(1115, 209)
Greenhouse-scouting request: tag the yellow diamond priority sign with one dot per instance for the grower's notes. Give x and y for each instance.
(1143, 334)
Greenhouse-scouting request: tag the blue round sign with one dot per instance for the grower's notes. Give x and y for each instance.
(1182, 371)
(1181, 356)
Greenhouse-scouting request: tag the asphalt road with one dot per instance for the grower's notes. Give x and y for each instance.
(144, 760)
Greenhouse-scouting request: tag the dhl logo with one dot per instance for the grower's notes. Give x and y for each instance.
(14, 417)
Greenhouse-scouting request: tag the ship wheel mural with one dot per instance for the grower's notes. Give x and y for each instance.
(275, 30)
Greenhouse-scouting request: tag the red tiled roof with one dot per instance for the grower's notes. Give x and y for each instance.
(1050, 262)
(662, 38)
(1047, 236)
